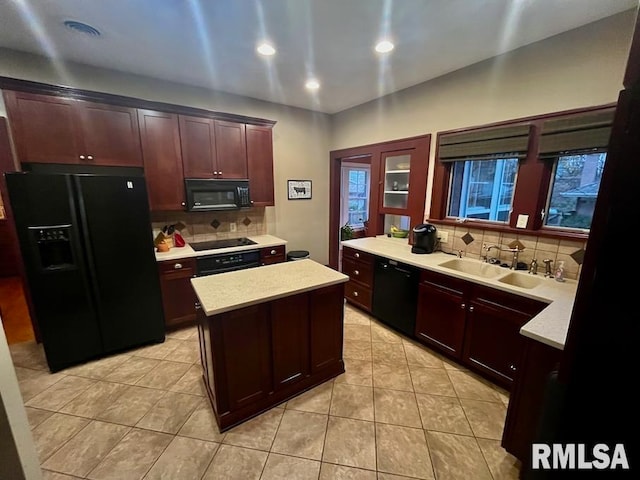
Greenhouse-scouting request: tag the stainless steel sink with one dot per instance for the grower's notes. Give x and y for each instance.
(521, 280)
(473, 267)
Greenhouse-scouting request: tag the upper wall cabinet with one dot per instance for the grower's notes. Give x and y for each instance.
(160, 135)
(53, 129)
(213, 148)
(260, 165)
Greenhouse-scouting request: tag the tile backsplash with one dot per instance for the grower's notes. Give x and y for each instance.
(470, 241)
(205, 226)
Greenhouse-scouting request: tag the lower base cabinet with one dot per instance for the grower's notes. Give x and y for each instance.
(474, 324)
(178, 298)
(537, 361)
(259, 356)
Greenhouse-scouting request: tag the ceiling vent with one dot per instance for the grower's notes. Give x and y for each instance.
(82, 28)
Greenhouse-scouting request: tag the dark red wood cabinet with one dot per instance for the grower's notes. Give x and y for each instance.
(478, 325)
(358, 266)
(198, 143)
(260, 164)
(53, 129)
(526, 401)
(442, 312)
(178, 298)
(270, 255)
(259, 356)
(492, 338)
(160, 134)
(231, 149)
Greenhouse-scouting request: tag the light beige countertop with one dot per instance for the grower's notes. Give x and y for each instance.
(550, 326)
(241, 288)
(262, 241)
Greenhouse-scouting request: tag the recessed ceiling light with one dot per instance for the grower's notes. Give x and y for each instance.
(266, 49)
(312, 84)
(385, 46)
(82, 28)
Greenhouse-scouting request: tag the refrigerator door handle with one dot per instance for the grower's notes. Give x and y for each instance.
(84, 228)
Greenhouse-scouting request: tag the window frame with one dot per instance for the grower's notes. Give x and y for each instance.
(532, 187)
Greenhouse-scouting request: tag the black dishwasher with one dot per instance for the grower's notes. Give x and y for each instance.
(395, 294)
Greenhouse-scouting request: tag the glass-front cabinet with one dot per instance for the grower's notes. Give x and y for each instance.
(396, 174)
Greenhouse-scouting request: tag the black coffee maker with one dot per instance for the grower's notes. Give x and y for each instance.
(425, 238)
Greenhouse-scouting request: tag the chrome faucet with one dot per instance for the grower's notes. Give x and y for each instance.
(533, 268)
(547, 267)
(514, 260)
(487, 248)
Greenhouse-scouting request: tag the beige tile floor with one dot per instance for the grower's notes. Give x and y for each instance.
(399, 411)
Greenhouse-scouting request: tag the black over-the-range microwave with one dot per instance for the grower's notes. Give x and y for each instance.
(216, 194)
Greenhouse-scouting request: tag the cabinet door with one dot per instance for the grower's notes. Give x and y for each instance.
(197, 138)
(326, 311)
(178, 296)
(493, 342)
(160, 137)
(111, 135)
(246, 357)
(290, 339)
(441, 317)
(396, 171)
(260, 165)
(231, 149)
(44, 128)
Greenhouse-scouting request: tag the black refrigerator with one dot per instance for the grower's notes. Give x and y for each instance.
(87, 248)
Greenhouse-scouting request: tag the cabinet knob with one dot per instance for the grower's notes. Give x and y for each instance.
(219, 173)
(357, 255)
(512, 367)
(356, 272)
(177, 266)
(215, 172)
(355, 294)
(81, 157)
(198, 306)
(273, 252)
(89, 157)
(183, 204)
(471, 308)
(463, 306)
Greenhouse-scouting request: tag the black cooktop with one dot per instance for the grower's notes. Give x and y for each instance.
(229, 242)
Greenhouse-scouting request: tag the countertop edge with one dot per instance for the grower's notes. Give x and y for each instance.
(549, 327)
(270, 298)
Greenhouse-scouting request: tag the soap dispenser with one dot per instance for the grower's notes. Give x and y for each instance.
(559, 276)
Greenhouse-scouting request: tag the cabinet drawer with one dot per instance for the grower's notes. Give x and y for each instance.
(492, 297)
(177, 265)
(445, 282)
(358, 271)
(357, 255)
(266, 253)
(356, 293)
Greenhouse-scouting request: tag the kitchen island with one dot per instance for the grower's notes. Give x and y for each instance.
(267, 334)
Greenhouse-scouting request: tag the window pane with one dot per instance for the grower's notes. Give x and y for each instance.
(482, 189)
(357, 196)
(574, 189)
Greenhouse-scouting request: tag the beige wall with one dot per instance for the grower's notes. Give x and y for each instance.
(576, 69)
(300, 138)
(579, 68)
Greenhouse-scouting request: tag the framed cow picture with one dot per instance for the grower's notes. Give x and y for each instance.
(299, 189)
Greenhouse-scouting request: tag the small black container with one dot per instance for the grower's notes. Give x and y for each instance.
(424, 238)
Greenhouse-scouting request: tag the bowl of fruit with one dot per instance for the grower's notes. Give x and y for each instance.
(398, 232)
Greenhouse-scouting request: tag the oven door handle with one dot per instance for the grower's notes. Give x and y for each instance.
(204, 273)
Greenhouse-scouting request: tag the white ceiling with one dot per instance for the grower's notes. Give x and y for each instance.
(211, 43)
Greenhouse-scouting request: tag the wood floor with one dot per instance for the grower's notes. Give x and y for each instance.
(14, 311)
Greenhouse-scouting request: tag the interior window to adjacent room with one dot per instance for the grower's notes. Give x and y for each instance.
(483, 168)
(355, 194)
(482, 189)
